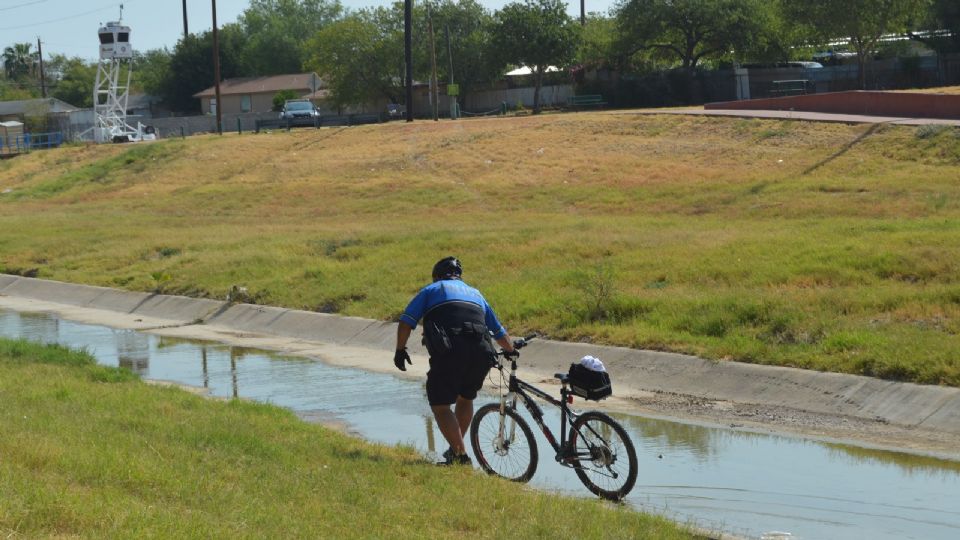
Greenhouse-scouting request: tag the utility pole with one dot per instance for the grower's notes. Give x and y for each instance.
(435, 91)
(449, 52)
(452, 99)
(216, 69)
(408, 54)
(185, 31)
(583, 13)
(43, 82)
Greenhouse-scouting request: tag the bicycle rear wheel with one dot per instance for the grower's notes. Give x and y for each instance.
(508, 453)
(605, 460)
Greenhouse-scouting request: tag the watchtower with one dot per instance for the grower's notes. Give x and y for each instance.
(111, 89)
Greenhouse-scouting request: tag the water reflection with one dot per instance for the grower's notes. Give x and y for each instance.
(133, 352)
(431, 441)
(740, 482)
(909, 463)
(696, 440)
(203, 366)
(41, 326)
(234, 354)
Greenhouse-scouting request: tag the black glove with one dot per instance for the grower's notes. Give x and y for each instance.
(511, 354)
(400, 357)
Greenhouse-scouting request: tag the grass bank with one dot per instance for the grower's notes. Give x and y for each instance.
(821, 246)
(92, 452)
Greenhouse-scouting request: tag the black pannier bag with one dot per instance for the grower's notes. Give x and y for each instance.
(589, 384)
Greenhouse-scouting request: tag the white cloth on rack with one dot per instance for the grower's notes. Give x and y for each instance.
(592, 363)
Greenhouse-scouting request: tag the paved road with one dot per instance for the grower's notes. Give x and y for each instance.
(800, 115)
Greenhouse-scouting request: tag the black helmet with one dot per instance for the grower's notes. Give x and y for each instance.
(446, 268)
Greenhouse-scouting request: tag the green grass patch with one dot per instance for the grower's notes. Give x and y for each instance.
(119, 169)
(112, 457)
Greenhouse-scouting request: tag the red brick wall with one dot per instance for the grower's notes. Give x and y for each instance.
(898, 104)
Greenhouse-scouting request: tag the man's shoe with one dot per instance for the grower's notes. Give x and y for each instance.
(453, 459)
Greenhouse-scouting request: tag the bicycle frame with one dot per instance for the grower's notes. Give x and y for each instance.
(519, 388)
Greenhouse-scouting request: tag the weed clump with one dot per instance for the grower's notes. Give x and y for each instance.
(928, 131)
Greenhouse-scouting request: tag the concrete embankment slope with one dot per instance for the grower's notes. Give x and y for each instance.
(633, 371)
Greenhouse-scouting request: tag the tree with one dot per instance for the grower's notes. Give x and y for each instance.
(276, 31)
(862, 22)
(73, 79)
(191, 66)
(150, 70)
(537, 34)
(12, 92)
(598, 42)
(469, 25)
(360, 57)
(689, 31)
(18, 61)
(941, 27)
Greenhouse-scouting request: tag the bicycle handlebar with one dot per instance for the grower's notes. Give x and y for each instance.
(518, 344)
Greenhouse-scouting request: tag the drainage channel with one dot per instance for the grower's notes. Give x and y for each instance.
(738, 483)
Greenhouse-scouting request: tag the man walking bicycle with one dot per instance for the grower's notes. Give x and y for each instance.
(457, 327)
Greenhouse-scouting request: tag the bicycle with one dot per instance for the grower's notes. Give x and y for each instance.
(592, 443)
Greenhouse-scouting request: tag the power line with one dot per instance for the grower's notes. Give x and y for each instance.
(21, 26)
(23, 5)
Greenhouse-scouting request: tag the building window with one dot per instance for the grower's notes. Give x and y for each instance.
(213, 105)
(245, 104)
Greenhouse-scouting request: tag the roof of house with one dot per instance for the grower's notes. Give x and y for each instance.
(26, 106)
(308, 82)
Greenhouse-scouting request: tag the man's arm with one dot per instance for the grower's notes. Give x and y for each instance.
(400, 357)
(403, 334)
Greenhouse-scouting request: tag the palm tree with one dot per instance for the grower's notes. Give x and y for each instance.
(18, 60)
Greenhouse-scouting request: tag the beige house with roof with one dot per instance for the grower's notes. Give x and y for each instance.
(255, 94)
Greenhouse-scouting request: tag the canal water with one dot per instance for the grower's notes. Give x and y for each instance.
(736, 482)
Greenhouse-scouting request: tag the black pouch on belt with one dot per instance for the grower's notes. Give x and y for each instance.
(436, 340)
(477, 334)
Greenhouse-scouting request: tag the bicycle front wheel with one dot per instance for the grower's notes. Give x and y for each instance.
(605, 460)
(500, 447)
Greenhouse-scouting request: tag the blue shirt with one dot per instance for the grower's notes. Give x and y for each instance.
(450, 290)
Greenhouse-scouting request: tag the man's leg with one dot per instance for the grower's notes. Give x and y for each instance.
(449, 426)
(464, 413)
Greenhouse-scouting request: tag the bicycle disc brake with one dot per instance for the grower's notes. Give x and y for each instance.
(602, 456)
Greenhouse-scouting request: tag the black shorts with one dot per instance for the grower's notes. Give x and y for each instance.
(460, 373)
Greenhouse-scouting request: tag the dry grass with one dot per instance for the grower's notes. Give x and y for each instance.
(824, 246)
(953, 90)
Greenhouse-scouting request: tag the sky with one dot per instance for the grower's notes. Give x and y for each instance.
(70, 26)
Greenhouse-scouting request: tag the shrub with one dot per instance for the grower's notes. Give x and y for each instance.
(928, 131)
(281, 97)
